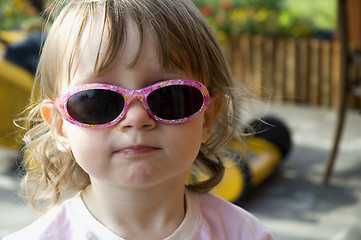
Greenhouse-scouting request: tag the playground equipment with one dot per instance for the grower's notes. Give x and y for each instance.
(15, 88)
(250, 163)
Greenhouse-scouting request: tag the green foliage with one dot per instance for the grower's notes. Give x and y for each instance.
(14, 14)
(226, 17)
(322, 12)
(261, 17)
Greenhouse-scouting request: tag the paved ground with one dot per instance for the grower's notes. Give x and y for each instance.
(292, 203)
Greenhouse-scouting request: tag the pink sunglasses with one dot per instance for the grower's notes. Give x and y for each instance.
(100, 105)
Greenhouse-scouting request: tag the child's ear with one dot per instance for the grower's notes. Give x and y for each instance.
(48, 112)
(210, 115)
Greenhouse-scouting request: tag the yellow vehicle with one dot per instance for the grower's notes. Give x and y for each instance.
(250, 163)
(15, 87)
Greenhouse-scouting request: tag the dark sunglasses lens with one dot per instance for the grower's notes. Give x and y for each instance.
(175, 102)
(96, 106)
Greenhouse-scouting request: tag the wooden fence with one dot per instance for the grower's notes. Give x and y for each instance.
(289, 70)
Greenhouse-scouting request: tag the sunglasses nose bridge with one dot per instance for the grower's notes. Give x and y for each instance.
(136, 95)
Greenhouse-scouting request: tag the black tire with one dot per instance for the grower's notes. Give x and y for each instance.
(274, 130)
(241, 164)
(246, 173)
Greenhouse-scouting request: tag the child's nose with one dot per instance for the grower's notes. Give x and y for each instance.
(136, 117)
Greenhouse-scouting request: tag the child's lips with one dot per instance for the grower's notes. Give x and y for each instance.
(139, 149)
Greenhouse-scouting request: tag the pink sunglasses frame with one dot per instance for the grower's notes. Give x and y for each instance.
(129, 95)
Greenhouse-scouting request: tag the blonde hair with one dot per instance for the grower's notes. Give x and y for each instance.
(183, 40)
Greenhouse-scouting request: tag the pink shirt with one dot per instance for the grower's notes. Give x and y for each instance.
(207, 217)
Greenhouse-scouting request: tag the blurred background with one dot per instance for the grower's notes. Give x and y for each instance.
(305, 184)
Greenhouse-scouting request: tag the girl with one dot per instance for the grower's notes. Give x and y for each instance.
(134, 96)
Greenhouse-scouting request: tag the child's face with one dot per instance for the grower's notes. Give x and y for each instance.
(137, 151)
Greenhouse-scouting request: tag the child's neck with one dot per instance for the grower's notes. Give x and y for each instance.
(153, 213)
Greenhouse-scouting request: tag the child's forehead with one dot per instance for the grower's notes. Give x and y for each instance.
(97, 45)
(137, 50)
(98, 38)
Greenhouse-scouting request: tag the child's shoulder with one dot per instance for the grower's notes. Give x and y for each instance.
(213, 205)
(233, 222)
(55, 224)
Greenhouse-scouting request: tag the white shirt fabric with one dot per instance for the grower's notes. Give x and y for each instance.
(207, 217)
